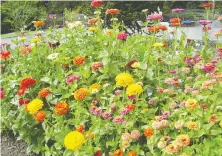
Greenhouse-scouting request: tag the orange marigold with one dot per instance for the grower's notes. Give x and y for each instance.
(132, 153)
(78, 60)
(61, 108)
(40, 116)
(112, 11)
(148, 132)
(93, 21)
(81, 94)
(80, 128)
(118, 152)
(175, 21)
(38, 23)
(44, 92)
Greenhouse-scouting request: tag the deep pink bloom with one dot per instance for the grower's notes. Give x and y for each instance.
(96, 3)
(72, 78)
(95, 101)
(122, 36)
(178, 10)
(106, 115)
(131, 97)
(204, 22)
(155, 16)
(2, 93)
(208, 67)
(118, 119)
(206, 28)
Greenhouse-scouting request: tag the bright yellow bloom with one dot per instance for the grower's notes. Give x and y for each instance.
(94, 88)
(191, 103)
(34, 106)
(35, 40)
(133, 89)
(124, 79)
(158, 45)
(220, 123)
(135, 65)
(74, 140)
(81, 94)
(92, 28)
(22, 39)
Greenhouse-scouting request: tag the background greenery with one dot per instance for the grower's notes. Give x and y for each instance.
(16, 14)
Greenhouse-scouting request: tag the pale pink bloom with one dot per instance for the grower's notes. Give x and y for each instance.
(126, 136)
(118, 119)
(135, 134)
(155, 16)
(179, 125)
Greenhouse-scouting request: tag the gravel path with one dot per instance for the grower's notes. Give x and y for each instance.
(12, 147)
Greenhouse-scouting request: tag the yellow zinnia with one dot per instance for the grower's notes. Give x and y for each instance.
(92, 28)
(74, 140)
(191, 104)
(133, 89)
(158, 45)
(35, 40)
(81, 94)
(34, 106)
(124, 79)
(94, 88)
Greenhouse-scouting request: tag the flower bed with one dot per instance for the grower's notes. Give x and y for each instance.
(88, 91)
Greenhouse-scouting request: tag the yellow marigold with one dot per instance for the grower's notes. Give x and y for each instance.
(78, 60)
(124, 79)
(81, 94)
(89, 135)
(134, 89)
(61, 108)
(191, 103)
(192, 125)
(92, 28)
(94, 88)
(40, 116)
(44, 92)
(172, 149)
(183, 140)
(158, 45)
(34, 106)
(74, 140)
(35, 40)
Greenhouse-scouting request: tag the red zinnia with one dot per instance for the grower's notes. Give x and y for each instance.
(207, 5)
(21, 91)
(27, 82)
(23, 101)
(96, 3)
(5, 54)
(98, 153)
(80, 128)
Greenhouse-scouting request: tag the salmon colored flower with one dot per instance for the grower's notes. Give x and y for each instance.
(27, 82)
(172, 149)
(40, 116)
(38, 23)
(78, 60)
(44, 92)
(61, 108)
(135, 134)
(124, 79)
(132, 153)
(207, 5)
(213, 118)
(26, 49)
(96, 3)
(96, 66)
(74, 140)
(148, 132)
(93, 21)
(183, 140)
(118, 152)
(81, 94)
(192, 125)
(80, 128)
(112, 11)
(191, 103)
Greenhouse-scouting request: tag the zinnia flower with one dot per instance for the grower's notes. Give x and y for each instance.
(175, 21)
(134, 89)
(21, 91)
(44, 93)
(74, 140)
(106, 115)
(80, 128)
(53, 56)
(158, 45)
(155, 16)
(118, 119)
(5, 54)
(61, 108)
(122, 36)
(27, 82)
(204, 22)
(72, 78)
(172, 149)
(212, 118)
(207, 5)
(94, 88)
(96, 66)
(118, 152)
(148, 132)
(192, 125)
(183, 140)
(23, 101)
(93, 21)
(112, 11)
(135, 134)
(191, 103)
(179, 10)
(78, 60)
(132, 153)
(25, 49)
(2, 93)
(81, 94)
(40, 116)
(38, 23)
(179, 124)
(124, 79)
(34, 106)
(208, 67)
(96, 3)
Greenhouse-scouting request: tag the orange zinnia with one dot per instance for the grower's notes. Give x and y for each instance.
(81, 94)
(112, 11)
(38, 24)
(118, 152)
(61, 108)
(175, 21)
(40, 116)
(132, 153)
(80, 128)
(148, 132)
(93, 21)
(44, 92)
(78, 60)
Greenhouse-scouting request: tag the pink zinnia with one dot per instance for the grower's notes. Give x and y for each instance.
(206, 28)
(124, 111)
(97, 111)
(135, 134)
(72, 78)
(204, 22)
(52, 16)
(208, 67)
(155, 16)
(165, 114)
(2, 93)
(178, 10)
(118, 119)
(126, 136)
(106, 115)
(96, 3)
(117, 92)
(131, 97)
(122, 36)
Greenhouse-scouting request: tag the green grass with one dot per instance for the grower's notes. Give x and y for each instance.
(15, 34)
